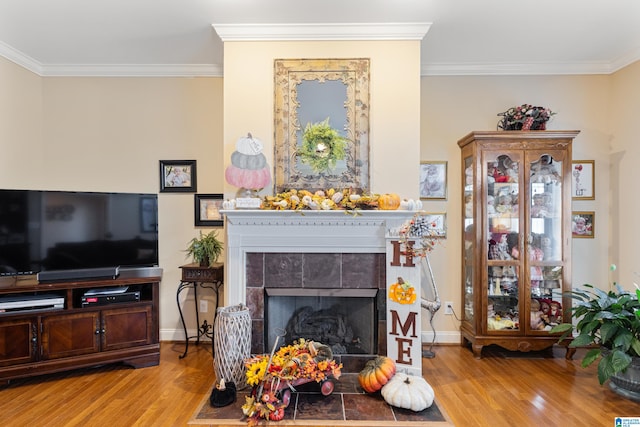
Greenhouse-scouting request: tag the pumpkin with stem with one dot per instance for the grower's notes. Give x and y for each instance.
(408, 392)
(376, 373)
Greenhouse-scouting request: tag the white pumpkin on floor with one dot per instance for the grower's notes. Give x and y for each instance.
(408, 392)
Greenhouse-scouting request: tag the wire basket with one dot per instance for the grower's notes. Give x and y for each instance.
(232, 338)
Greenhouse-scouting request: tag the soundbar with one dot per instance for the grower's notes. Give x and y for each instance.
(78, 274)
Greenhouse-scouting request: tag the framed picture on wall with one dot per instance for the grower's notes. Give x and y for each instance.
(583, 224)
(207, 210)
(583, 180)
(178, 176)
(433, 180)
(436, 223)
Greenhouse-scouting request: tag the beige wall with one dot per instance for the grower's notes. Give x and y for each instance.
(107, 134)
(394, 99)
(624, 175)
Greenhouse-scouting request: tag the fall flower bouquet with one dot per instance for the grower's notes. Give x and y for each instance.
(274, 375)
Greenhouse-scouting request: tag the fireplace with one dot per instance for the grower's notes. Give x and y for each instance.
(343, 287)
(331, 261)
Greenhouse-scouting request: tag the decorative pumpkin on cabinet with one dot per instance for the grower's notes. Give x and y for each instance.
(408, 392)
(376, 373)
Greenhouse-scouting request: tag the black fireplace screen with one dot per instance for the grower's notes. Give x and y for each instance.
(346, 323)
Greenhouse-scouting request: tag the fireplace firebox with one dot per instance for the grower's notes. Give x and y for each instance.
(343, 319)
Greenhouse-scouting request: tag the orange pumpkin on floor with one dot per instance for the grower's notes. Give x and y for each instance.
(376, 373)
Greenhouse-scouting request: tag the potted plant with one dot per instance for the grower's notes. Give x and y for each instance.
(205, 249)
(608, 323)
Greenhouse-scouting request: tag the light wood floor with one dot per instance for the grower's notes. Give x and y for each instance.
(492, 391)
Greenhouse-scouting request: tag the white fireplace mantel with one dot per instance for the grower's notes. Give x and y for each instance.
(332, 231)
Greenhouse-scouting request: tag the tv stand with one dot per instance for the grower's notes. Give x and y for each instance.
(40, 341)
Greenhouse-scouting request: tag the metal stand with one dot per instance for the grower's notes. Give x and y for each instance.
(193, 275)
(432, 306)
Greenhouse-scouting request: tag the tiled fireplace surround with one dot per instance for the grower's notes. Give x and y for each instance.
(314, 250)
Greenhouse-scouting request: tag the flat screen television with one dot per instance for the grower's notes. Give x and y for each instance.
(65, 230)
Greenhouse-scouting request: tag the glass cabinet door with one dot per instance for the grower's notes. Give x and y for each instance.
(503, 232)
(469, 241)
(544, 245)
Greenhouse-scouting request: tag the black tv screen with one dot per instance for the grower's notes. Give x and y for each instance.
(64, 230)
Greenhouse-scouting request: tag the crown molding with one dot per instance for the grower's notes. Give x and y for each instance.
(306, 32)
(522, 69)
(20, 58)
(133, 70)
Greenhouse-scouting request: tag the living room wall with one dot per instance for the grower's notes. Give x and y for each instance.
(107, 134)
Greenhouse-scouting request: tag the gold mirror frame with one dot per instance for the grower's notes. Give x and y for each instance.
(289, 75)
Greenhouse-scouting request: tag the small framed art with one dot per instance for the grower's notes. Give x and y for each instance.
(207, 210)
(583, 224)
(583, 180)
(436, 223)
(433, 180)
(178, 176)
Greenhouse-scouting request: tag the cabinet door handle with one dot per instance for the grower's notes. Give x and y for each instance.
(103, 331)
(97, 331)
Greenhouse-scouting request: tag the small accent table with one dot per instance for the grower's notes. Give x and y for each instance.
(194, 275)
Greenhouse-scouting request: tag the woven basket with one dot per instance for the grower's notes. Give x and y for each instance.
(232, 343)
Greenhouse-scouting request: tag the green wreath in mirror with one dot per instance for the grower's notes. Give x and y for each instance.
(322, 146)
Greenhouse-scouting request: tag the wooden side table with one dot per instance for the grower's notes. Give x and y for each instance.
(195, 275)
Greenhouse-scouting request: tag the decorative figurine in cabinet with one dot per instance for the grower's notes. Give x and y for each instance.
(516, 248)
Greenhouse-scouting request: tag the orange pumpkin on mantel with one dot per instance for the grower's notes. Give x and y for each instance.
(389, 202)
(376, 373)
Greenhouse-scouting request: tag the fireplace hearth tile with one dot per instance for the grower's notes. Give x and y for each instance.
(347, 404)
(282, 270)
(321, 270)
(315, 406)
(361, 270)
(255, 302)
(366, 407)
(255, 270)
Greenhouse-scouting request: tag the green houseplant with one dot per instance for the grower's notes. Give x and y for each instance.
(205, 249)
(608, 323)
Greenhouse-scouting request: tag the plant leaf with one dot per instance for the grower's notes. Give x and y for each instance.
(591, 356)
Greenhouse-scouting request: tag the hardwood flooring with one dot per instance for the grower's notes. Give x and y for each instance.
(492, 391)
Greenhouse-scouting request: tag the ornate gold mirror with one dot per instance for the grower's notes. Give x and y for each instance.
(321, 124)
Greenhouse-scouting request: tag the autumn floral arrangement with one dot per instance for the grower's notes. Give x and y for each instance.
(331, 199)
(425, 230)
(273, 375)
(525, 117)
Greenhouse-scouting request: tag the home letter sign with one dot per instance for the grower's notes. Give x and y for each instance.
(404, 343)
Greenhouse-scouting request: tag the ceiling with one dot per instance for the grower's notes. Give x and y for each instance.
(178, 37)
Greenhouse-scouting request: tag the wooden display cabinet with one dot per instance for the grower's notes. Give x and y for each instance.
(516, 240)
(46, 340)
